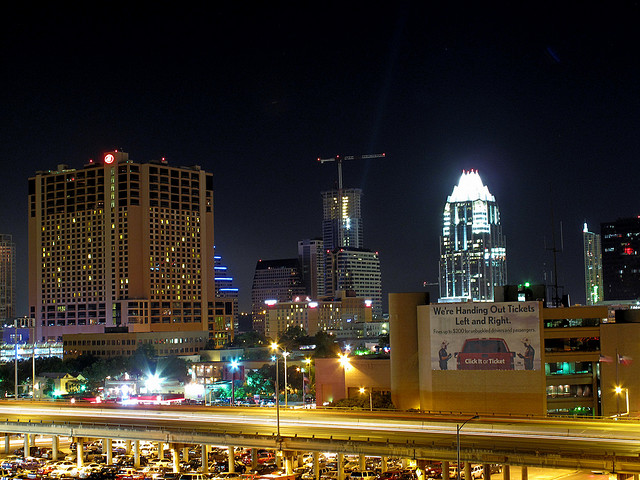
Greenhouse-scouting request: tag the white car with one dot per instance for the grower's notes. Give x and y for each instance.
(64, 471)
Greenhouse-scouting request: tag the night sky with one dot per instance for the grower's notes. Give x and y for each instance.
(543, 101)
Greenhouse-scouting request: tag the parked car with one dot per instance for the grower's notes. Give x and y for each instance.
(362, 475)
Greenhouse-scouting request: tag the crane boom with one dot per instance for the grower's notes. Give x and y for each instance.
(340, 158)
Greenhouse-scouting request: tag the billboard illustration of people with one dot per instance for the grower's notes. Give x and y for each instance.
(485, 336)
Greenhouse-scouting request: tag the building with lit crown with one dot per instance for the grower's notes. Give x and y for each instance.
(225, 289)
(473, 258)
(592, 267)
(126, 245)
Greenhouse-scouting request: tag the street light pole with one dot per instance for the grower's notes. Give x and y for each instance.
(458, 428)
(285, 354)
(277, 403)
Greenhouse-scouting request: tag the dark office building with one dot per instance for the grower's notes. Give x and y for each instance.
(621, 258)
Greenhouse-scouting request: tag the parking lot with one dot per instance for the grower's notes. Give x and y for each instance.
(38, 465)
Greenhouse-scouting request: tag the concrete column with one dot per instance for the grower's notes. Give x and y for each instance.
(445, 470)
(232, 459)
(299, 459)
(341, 466)
(55, 441)
(176, 458)
(79, 452)
(25, 447)
(506, 472)
(486, 469)
(160, 450)
(279, 459)
(525, 474)
(405, 462)
(33, 440)
(107, 448)
(316, 465)
(136, 453)
(467, 470)
(204, 458)
(362, 462)
(7, 443)
(127, 447)
(185, 454)
(383, 467)
(254, 458)
(288, 460)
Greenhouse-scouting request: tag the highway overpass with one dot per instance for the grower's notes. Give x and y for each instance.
(588, 444)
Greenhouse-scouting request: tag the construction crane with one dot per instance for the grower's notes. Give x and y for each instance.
(340, 158)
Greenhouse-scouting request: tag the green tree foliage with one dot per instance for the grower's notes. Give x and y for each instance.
(325, 346)
(249, 339)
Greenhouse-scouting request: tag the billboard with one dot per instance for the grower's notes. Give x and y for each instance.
(485, 336)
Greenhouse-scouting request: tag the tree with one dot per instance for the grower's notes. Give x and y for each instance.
(325, 346)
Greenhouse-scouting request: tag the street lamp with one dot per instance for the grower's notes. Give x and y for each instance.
(275, 358)
(458, 428)
(362, 390)
(275, 347)
(233, 367)
(344, 361)
(618, 391)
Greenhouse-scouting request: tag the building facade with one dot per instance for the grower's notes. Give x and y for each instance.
(7, 279)
(122, 244)
(342, 222)
(311, 258)
(356, 270)
(274, 281)
(592, 267)
(621, 259)
(512, 358)
(225, 289)
(473, 258)
(316, 315)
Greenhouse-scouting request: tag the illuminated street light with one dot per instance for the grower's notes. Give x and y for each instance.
(363, 390)
(344, 361)
(153, 383)
(233, 367)
(275, 347)
(618, 390)
(458, 428)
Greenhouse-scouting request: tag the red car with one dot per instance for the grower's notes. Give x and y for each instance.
(485, 354)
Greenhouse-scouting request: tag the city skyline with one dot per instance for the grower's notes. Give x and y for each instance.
(544, 106)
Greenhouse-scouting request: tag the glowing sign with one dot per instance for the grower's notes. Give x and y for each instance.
(109, 158)
(270, 302)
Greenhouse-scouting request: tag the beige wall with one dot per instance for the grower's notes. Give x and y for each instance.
(620, 339)
(403, 340)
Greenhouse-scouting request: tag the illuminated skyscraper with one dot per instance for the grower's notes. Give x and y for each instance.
(7, 278)
(342, 225)
(621, 259)
(311, 258)
(592, 267)
(226, 289)
(124, 245)
(473, 259)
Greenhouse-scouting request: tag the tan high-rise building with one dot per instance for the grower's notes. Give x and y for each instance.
(123, 244)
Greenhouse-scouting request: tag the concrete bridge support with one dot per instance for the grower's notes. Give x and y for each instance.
(525, 474)
(467, 470)
(486, 470)
(204, 456)
(79, 451)
(506, 472)
(107, 448)
(7, 443)
(136, 453)
(384, 467)
(341, 466)
(445, 470)
(55, 443)
(176, 458)
(254, 458)
(316, 465)
(232, 459)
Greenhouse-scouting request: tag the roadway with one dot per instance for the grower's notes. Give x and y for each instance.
(607, 445)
